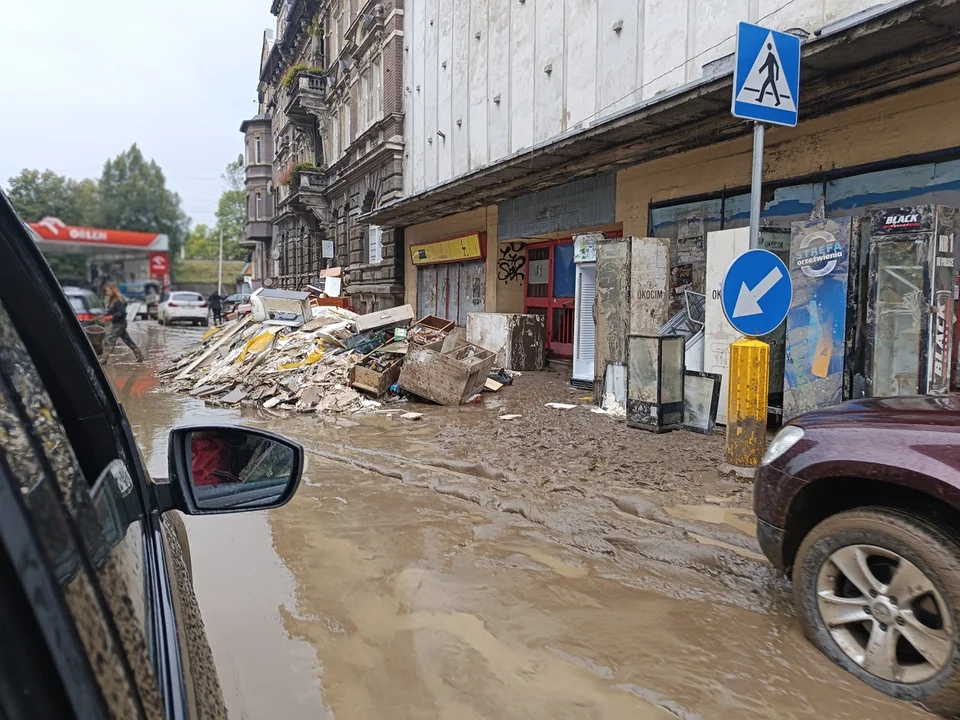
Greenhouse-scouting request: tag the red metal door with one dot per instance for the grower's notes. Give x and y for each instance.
(548, 292)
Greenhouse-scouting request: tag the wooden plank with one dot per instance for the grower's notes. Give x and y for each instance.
(213, 348)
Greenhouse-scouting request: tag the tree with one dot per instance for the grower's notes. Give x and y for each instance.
(232, 213)
(134, 196)
(37, 195)
(203, 243)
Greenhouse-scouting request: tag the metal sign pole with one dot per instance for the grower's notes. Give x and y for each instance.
(756, 184)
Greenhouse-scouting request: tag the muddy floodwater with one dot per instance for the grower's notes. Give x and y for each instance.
(557, 565)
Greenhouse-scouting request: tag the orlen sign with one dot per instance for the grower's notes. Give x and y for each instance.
(159, 265)
(55, 230)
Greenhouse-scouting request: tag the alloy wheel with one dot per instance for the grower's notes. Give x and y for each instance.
(884, 613)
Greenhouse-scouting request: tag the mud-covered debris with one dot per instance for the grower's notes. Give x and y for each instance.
(411, 416)
(510, 417)
(560, 406)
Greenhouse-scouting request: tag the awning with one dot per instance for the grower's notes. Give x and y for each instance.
(889, 49)
(52, 234)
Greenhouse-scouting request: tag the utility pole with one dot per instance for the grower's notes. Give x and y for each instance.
(220, 269)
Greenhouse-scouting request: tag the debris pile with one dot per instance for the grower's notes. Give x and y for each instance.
(311, 358)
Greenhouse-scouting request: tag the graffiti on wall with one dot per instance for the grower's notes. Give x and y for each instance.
(512, 261)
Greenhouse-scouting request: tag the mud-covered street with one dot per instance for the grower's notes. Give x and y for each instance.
(557, 565)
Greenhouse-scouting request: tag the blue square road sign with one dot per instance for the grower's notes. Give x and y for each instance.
(766, 81)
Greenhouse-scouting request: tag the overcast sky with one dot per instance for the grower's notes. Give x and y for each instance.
(84, 79)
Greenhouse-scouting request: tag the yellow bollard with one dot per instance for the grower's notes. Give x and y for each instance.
(749, 386)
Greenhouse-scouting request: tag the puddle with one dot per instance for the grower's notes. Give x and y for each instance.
(742, 520)
(558, 566)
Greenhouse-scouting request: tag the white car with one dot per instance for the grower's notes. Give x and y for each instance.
(183, 306)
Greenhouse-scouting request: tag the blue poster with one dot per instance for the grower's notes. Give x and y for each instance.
(816, 323)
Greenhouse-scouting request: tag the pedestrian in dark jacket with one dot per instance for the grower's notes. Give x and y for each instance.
(117, 312)
(215, 301)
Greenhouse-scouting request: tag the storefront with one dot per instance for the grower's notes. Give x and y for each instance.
(451, 276)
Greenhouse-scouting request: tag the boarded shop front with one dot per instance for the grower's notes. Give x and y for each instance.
(451, 276)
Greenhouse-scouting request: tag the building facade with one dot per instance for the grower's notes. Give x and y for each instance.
(529, 123)
(331, 88)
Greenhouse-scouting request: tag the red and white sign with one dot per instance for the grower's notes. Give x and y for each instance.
(159, 265)
(55, 230)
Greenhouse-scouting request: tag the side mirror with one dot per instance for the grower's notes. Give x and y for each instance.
(217, 469)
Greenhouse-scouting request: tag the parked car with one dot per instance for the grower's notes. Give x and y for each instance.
(860, 504)
(98, 617)
(233, 303)
(88, 308)
(183, 306)
(146, 294)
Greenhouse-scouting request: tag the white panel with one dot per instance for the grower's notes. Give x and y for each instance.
(498, 58)
(475, 123)
(580, 75)
(429, 93)
(806, 14)
(834, 10)
(664, 45)
(416, 42)
(617, 56)
(715, 25)
(460, 103)
(522, 43)
(445, 83)
(409, 110)
(548, 87)
(584, 338)
(722, 247)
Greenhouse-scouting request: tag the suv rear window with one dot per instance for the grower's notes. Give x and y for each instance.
(186, 297)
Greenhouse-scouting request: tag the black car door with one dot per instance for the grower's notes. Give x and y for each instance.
(83, 446)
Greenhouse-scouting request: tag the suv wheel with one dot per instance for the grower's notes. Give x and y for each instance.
(878, 591)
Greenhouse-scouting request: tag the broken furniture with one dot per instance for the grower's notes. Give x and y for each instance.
(376, 372)
(448, 377)
(289, 308)
(518, 340)
(430, 331)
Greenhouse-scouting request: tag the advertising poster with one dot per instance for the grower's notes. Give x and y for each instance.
(816, 324)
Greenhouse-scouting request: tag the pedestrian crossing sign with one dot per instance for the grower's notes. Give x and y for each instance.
(766, 81)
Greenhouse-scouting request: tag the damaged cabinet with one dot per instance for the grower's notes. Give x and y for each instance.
(611, 307)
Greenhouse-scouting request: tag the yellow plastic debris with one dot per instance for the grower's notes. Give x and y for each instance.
(256, 344)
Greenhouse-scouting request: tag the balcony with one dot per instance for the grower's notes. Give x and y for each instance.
(305, 97)
(256, 231)
(301, 190)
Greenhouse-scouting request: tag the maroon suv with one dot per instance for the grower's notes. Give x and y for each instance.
(860, 504)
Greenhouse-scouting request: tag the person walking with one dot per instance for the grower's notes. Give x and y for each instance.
(215, 301)
(117, 311)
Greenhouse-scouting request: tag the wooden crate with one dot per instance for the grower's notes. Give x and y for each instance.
(431, 322)
(373, 382)
(447, 378)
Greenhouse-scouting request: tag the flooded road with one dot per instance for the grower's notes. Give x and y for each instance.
(454, 568)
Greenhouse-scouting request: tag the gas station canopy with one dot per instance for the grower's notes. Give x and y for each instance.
(53, 235)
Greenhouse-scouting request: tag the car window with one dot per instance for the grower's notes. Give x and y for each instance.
(93, 302)
(104, 514)
(187, 297)
(77, 303)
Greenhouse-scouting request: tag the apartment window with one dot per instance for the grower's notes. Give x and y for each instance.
(366, 111)
(370, 92)
(257, 150)
(377, 90)
(258, 205)
(335, 139)
(374, 244)
(347, 133)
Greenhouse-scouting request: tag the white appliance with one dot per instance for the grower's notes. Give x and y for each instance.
(584, 331)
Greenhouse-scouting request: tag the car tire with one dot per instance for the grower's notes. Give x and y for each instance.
(874, 534)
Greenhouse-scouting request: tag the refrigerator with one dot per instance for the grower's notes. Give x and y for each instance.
(910, 308)
(584, 328)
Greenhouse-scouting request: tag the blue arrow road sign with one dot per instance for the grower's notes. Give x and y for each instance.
(757, 292)
(766, 82)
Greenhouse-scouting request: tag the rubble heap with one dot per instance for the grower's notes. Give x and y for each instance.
(304, 368)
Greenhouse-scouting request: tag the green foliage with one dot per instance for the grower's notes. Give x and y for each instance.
(316, 27)
(293, 72)
(134, 196)
(206, 271)
(37, 195)
(291, 176)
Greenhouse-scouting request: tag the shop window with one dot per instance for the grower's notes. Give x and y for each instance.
(779, 207)
(933, 183)
(671, 222)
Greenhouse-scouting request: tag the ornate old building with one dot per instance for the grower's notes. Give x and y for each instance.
(331, 88)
